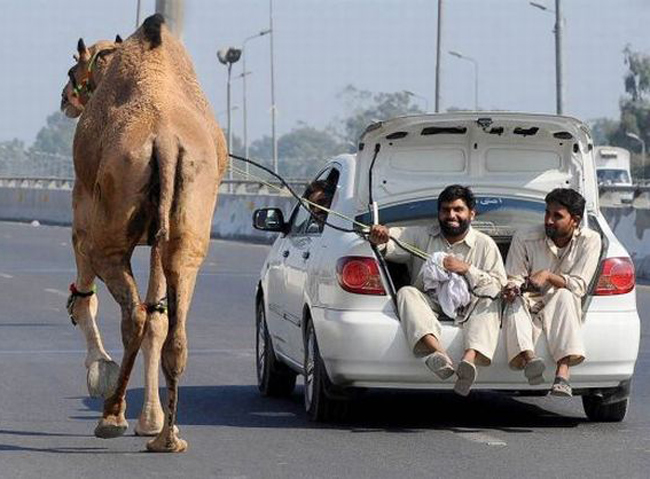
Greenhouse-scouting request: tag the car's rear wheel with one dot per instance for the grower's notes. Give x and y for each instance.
(598, 412)
(273, 378)
(321, 404)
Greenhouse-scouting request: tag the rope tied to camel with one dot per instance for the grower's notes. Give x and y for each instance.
(74, 294)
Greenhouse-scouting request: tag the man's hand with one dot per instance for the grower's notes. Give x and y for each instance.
(379, 234)
(539, 278)
(455, 265)
(510, 292)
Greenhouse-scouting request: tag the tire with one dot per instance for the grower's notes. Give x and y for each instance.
(596, 411)
(274, 379)
(321, 403)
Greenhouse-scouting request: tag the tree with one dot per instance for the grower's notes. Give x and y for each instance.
(635, 106)
(56, 136)
(602, 130)
(301, 152)
(13, 158)
(367, 107)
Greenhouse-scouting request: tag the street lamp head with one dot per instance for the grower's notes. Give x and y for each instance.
(264, 32)
(538, 5)
(634, 136)
(456, 54)
(229, 55)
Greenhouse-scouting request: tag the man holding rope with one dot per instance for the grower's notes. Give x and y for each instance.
(549, 270)
(456, 249)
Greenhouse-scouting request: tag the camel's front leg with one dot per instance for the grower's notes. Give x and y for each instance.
(102, 371)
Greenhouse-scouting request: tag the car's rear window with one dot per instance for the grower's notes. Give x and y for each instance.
(496, 216)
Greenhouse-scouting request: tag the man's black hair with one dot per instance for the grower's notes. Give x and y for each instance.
(570, 199)
(457, 192)
(319, 185)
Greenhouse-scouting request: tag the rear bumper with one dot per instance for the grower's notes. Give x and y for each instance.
(365, 349)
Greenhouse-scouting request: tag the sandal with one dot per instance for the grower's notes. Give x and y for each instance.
(466, 376)
(561, 387)
(534, 371)
(440, 365)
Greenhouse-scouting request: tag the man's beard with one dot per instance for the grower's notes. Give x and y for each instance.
(453, 231)
(555, 234)
(552, 233)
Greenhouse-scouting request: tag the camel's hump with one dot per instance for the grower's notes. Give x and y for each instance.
(151, 28)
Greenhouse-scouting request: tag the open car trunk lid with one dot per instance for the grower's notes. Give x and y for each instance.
(500, 154)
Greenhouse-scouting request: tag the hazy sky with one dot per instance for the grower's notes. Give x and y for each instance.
(323, 45)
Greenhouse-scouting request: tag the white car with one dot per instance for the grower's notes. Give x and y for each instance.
(326, 299)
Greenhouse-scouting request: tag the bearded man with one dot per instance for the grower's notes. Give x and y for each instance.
(549, 271)
(463, 251)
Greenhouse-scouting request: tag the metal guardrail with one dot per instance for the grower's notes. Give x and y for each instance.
(237, 187)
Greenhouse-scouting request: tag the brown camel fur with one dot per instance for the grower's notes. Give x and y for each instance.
(148, 158)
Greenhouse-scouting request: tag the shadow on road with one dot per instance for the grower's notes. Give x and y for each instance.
(402, 411)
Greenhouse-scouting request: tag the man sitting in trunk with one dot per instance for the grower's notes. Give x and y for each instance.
(549, 270)
(472, 255)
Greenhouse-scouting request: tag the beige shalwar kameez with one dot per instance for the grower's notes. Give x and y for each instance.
(556, 312)
(419, 311)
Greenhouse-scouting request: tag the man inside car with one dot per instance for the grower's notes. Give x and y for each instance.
(469, 253)
(549, 270)
(318, 192)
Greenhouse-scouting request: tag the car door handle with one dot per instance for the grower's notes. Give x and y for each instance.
(285, 253)
(305, 255)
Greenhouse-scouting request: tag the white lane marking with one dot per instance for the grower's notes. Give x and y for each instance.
(482, 438)
(272, 414)
(5, 275)
(56, 291)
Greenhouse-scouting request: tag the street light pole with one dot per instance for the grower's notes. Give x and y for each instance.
(244, 74)
(438, 50)
(228, 56)
(475, 63)
(273, 137)
(559, 61)
(636, 137)
(137, 16)
(559, 53)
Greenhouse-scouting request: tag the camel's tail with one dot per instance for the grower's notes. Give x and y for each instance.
(166, 154)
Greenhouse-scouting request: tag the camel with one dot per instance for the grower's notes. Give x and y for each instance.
(148, 159)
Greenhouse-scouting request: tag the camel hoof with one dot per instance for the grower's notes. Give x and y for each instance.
(110, 427)
(162, 445)
(102, 378)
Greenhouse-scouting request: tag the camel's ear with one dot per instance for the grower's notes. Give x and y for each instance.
(84, 54)
(118, 39)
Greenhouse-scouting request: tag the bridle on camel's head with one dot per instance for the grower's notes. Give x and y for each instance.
(85, 87)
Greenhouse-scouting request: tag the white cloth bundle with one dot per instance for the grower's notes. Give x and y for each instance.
(450, 289)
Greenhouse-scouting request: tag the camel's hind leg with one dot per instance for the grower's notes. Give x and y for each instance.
(102, 370)
(116, 272)
(151, 418)
(181, 272)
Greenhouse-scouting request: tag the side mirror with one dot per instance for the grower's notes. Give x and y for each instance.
(269, 219)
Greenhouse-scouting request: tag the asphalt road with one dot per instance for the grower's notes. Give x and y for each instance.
(47, 421)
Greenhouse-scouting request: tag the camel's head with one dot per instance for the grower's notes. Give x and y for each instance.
(86, 74)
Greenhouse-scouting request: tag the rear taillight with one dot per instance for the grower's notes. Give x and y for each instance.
(617, 277)
(359, 274)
